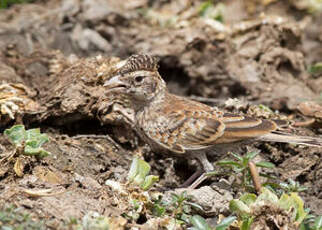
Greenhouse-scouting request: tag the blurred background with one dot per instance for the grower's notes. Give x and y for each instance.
(266, 50)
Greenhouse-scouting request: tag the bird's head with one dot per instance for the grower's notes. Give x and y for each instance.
(138, 78)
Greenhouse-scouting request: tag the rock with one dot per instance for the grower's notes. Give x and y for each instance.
(213, 200)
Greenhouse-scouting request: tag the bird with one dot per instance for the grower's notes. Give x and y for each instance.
(176, 125)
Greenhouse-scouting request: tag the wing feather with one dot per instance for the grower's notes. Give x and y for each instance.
(197, 131)
(245, 128)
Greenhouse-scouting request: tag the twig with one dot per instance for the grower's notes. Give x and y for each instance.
(255, 176)
(8, 157)
(106, 137)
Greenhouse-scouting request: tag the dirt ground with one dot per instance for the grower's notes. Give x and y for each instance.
(55, 55)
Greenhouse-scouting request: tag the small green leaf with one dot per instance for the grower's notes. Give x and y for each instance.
(138, 174)
(40, 139)
(225, 223)
(144, 168)
(236, 156)
(288, 202)
(247, 223)
(239, 207)
(175, 198)
(209, 10)
(248, 198)
(137, 205)
(292, 186)
(265, 164)
(194, 205)
(32, 143)
(267, 195)
(285, 202)
(138, 171)
(316, 68)
(16, 134)
(134, 169)
(272, 177)
(318, 223)
(30, 151)
(43, 153)
(37, 141)
(299, 205)
(229, 163)
(158, 210)
(251, 155)
(149, 181)
(265, 108)
(199, 223)
(32, 140)
(204, 7)
(32, 133)
(271, 186)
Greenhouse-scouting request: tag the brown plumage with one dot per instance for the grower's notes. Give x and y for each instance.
(169, 123)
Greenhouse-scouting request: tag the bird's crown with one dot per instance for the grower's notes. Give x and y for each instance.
(139, 62)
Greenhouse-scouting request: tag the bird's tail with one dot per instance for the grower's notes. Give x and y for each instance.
(289, 138)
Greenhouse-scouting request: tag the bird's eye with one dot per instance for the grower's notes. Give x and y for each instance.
(139, 79)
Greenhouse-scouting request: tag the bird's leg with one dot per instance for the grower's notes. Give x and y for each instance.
(207, 167)
(192, 178)
(203, 160)
(199, 180)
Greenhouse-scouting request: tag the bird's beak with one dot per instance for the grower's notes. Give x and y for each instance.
(115, 83)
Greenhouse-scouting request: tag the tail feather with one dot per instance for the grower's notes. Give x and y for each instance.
(289, 138)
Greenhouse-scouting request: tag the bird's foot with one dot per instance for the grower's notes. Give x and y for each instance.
(202, 178)
(192, 178)
(196, 179)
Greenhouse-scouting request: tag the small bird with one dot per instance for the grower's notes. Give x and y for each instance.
(177, 125)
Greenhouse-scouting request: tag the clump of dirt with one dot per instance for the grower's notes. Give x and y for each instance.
(270, 217)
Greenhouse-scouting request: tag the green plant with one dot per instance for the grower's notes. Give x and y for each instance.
(141, 203)
(95, 221)
(285, 187)
(176, 211)
(199, 223)
(208, 10)
(138, 174)
(180, 206)
(158, 208)
(311, 223)
(292, 186)
(250, 208)
(265, 108)
(6, 3)
(28, 142)
(239, 167)
(316, 69)
(13, 218)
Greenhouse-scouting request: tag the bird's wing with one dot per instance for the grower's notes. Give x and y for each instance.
(239, 128)
(186, 130)
(193, 130)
